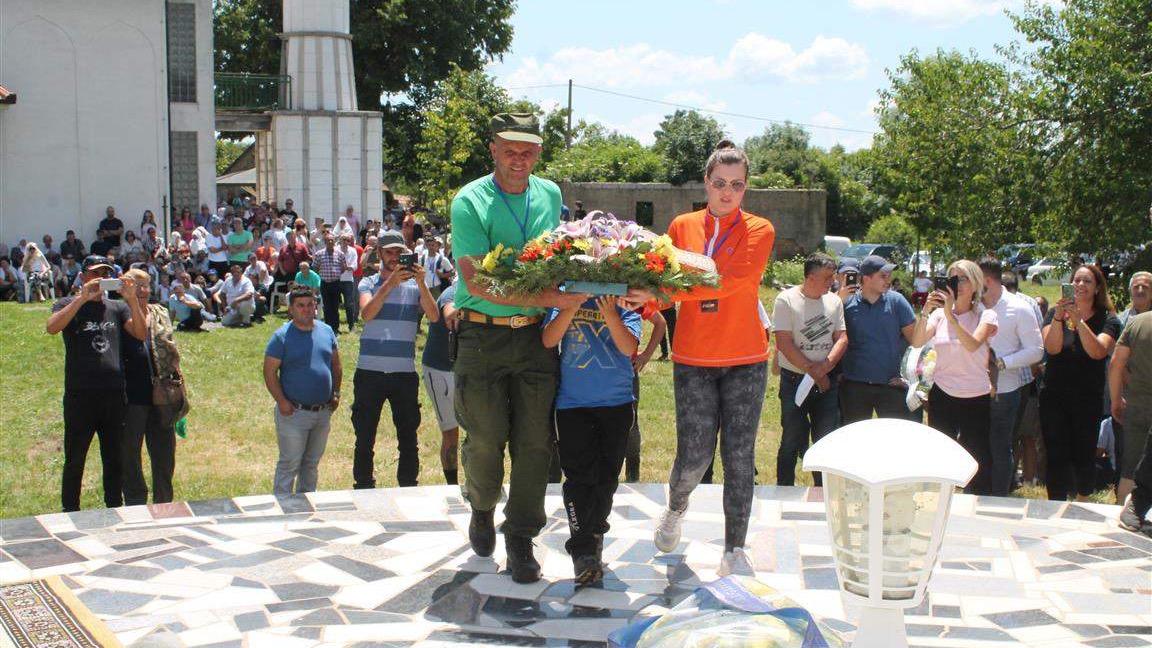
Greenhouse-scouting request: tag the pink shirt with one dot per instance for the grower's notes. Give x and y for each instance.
(961, 373)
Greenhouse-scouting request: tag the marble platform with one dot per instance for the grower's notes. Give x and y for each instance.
(392, 567)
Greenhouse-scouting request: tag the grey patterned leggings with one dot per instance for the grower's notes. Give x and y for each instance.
(710, 399)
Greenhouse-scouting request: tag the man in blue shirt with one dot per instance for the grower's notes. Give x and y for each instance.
(302, 371)
(880, 324)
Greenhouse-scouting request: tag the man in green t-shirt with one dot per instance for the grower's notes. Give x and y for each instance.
(1130, 385)
(505, 377)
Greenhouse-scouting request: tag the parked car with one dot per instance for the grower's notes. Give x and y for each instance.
(1017, 256)
(891, 251)
(836, 244)
(1049, 270)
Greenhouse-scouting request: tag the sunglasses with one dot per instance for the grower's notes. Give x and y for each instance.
(719, 185)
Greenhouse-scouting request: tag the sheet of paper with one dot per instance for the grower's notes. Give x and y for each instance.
(803, 389)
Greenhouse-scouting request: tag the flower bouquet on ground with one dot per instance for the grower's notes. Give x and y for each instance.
(917, 368)
(597, 254)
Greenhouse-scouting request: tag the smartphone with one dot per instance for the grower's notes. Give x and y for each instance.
(111, 284)
(408, 260)
(851, 278)
(1066, 291)
(940, 283)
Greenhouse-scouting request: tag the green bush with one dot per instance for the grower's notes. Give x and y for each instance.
(784, 272)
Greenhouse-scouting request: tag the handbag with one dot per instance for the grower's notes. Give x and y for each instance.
(168, 390)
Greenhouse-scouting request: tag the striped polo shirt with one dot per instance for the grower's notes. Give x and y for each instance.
(388, 341)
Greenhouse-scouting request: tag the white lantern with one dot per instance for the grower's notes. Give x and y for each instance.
(887, 487)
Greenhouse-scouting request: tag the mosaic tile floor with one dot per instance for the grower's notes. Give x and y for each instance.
(392, 568)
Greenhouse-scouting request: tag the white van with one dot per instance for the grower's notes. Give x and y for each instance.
(835, 245)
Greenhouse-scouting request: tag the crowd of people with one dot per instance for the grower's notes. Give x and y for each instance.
(553, 378)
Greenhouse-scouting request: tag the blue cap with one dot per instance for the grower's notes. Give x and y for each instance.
(848, 263)
(875, 263)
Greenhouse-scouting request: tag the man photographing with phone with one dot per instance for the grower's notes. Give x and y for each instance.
(391, 305)
(94, 401)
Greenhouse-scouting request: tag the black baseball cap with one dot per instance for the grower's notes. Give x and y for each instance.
(517, 127)
(874, 263)
(94, 262)
(846, 264)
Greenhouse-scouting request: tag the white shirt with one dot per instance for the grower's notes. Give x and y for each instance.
(352, 260)
(231, 290)
(213, 241)
(279, 237)
(922, 284)
(1017, 342)
(431, 264)
(254, 273)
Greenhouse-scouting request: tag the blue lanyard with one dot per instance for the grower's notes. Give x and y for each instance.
(711, 250)
(522, 223)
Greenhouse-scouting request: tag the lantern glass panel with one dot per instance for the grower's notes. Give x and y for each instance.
(909, 516)
(847, 503)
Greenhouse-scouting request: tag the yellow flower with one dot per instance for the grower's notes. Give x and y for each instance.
(582, 244)
(492, 258)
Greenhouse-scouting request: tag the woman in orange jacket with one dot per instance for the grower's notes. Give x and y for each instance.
(721, 355)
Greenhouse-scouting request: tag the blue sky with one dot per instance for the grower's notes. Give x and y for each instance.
(819, 63)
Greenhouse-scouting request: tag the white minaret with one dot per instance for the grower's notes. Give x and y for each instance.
(321, 152)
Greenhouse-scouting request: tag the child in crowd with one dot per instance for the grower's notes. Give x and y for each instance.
(594, 412)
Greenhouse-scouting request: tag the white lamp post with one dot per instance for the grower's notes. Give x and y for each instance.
(887, 487)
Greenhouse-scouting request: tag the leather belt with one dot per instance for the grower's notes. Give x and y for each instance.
(515, 321)
(310, 408)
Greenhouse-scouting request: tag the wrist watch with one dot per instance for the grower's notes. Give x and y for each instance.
(1000, 364)
(336, 393)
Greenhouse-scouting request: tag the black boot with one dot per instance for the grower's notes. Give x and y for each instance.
(521, 563)
(482, 533)
(631, 470)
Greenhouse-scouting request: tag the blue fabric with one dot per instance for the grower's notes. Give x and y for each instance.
(875, 344)
(388, 341)
(593, 372)
(436, 347)
(305, 361)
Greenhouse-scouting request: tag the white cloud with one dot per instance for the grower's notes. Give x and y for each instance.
(754, 57)
(695, 100)
(939, 13)
(825, 118)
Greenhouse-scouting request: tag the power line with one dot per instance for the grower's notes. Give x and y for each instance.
(697, 108)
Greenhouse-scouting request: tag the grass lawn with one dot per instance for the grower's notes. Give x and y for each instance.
(231, 445)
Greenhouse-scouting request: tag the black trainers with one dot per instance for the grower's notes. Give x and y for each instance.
(521, 563)
(482, 533)
(588, 570)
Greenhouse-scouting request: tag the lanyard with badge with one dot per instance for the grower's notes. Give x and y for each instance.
(713, 247)
(522, 223)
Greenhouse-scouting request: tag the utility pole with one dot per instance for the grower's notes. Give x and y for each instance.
(568, 130)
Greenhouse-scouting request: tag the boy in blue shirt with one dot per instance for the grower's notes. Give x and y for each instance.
(594, 414)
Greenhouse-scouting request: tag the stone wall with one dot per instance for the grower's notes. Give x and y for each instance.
(798, 214)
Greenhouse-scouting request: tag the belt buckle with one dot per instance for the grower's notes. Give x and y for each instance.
(518, 321)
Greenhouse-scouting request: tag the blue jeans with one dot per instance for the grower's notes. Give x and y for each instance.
(817, 416)
(1001, 432)
(302, 438)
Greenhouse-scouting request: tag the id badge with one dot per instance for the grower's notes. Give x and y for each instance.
(710, 306)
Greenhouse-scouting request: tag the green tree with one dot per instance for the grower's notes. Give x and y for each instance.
(686, 139)
(1090, 66)
(397, 44)
(453, 143)
(951, 158)
(892, 229)
(227, 151)
(611, 158)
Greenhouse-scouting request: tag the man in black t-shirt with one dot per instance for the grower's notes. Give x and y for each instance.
(288, 213)
(112, 227)
(94, 377)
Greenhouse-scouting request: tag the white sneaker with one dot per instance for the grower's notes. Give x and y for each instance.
(667, 534)
(735, 562)
(208, 317)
